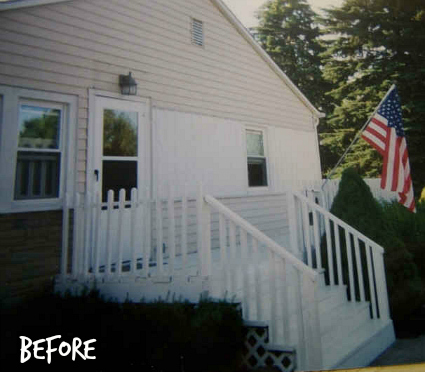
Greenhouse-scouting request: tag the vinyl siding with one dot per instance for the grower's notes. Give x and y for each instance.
(72, 46)
(191, 148)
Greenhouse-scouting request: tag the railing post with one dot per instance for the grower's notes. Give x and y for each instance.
(199, 226)
(97, 231)
(121, 208)
(381, 284)
(292, 221)
(184, 230)
(109, 243)
(76, 242)
(134, 207)
(147, 211)
(206, 238)
(313, 356)
(86, 256)
(65, 236)
(171, 230)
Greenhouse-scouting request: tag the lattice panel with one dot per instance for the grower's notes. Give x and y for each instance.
(256, 354)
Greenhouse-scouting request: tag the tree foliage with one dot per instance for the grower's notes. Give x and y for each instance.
(289, 34)
(375, 44)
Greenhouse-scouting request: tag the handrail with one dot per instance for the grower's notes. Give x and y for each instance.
(261, 237)
(340, 222)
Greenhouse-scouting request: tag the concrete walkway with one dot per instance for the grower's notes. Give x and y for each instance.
(404, 351)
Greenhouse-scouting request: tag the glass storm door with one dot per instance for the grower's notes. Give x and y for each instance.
(121, 147)
(120, 161)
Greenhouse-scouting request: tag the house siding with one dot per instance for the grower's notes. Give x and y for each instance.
(191, 148)
(72, 46)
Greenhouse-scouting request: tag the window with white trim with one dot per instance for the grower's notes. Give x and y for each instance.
(36, 149)
(39, 154)
(257, 161)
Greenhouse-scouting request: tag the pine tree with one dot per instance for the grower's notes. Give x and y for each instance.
(289, 34)
(375, 43)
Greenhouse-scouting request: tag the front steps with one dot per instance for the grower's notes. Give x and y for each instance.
(350, 338)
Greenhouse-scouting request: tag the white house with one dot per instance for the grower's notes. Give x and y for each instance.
(211, 109)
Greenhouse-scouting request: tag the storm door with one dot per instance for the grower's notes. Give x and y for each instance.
(121, 152)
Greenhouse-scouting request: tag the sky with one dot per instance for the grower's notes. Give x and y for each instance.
(244, 9)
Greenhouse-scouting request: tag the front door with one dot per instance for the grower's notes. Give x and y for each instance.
(120, 161)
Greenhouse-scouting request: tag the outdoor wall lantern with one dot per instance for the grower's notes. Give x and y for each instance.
(128, 85)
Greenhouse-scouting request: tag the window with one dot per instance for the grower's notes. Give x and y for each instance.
(39, 154)
(36, 149)
(120, 152)
(257, 162)
(197, 32)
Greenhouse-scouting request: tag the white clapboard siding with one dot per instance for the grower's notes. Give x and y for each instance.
(72, 46)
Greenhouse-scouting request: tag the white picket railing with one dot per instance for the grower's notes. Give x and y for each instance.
(351, 258)
(125, 236)
(263, 266)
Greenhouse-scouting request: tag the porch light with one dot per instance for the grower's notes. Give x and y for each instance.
(128, 85)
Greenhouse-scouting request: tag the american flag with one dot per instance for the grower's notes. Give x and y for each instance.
(385, 133)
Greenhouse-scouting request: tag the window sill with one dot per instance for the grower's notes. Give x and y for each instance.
(258, 190)
(24, 206)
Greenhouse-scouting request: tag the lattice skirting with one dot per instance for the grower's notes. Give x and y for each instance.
(257, 352)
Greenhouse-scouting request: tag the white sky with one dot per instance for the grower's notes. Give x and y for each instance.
(244, 9)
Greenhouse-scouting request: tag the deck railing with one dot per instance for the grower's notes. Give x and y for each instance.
(139, 237)
(260, 266)
(126, 237)
(348, 256)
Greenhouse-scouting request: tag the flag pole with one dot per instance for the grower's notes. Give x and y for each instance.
(357, 137)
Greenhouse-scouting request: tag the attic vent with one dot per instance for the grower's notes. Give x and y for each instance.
(197, 32)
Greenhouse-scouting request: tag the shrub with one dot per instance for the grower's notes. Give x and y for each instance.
(158, 336)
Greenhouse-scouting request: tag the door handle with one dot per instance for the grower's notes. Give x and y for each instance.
(96, 173)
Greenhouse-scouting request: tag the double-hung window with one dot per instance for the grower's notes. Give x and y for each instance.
(37, 141)
(39, 153)
(257, 161)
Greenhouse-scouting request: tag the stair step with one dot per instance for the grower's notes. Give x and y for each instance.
(280, 348)
(334, 353)
(331, 297)
(343, 319)
(255, 324)
(356, 315)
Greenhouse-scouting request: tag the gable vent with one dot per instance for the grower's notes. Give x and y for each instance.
(197, 32)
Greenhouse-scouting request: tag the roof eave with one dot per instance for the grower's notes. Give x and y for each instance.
(248, 37)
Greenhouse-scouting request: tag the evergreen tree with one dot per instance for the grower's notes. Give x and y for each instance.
(373, 44)
(288, 33)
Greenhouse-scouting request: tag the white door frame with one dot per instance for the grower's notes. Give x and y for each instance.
(145, 137)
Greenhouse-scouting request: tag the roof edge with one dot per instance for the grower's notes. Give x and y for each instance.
(248, 37)
(27, 3)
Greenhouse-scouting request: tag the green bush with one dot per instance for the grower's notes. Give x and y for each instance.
(158, 336)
